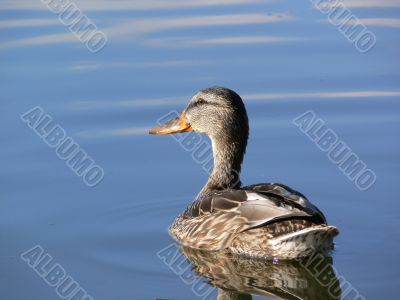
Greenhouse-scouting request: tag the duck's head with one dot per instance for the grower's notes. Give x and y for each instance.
(219, 113)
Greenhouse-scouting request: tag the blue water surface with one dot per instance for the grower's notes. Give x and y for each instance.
(283, 57)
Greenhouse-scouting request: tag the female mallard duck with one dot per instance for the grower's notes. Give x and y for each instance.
(262, 220)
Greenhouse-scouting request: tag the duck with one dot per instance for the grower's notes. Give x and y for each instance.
(264, 220)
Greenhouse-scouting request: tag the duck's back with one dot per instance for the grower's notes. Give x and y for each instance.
(261, 220)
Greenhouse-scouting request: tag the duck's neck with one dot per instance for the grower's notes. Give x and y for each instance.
(228, 156)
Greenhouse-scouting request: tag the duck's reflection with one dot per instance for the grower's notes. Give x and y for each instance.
(239, 277)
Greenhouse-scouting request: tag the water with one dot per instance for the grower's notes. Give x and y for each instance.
(107, 237)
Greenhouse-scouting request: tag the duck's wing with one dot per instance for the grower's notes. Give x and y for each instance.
(259, 204)
(293, 197)
(214, 219)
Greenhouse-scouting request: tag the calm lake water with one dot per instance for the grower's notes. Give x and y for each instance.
(283, 57)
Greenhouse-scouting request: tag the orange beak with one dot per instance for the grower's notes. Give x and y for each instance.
(176, 125)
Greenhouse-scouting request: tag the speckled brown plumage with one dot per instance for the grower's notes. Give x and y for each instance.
(276, 222)
(263, 220)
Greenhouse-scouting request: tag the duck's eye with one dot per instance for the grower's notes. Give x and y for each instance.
(200, 101)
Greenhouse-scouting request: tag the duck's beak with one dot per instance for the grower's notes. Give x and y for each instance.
(179, 124)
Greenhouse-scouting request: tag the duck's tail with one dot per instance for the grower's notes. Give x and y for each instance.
(317, 238)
